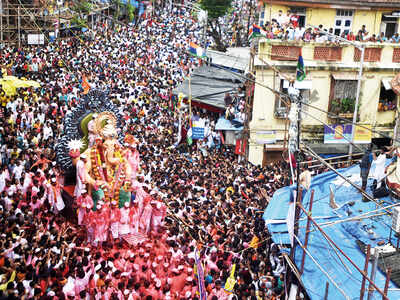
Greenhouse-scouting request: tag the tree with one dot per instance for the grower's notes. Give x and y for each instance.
(82, 10)
(118, 5)
(130, 12)
(215, 10)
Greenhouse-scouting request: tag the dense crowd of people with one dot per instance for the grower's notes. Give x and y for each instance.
(215, 203)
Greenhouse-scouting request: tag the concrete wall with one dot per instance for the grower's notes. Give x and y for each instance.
(326, 16)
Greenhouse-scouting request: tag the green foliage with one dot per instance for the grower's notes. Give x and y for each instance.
(82, 9)
(78, 21)
(117, 7)
(345, 105)
(216, 8)
(130, 11)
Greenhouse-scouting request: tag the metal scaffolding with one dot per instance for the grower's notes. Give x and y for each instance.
(19, 18)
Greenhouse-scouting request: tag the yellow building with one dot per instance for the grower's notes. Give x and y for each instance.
(330, 85)
(340, 15)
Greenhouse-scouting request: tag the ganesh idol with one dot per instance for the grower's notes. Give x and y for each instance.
(103, 168)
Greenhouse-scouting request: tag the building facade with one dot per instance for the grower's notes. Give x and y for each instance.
(340, 15)
(330, 85)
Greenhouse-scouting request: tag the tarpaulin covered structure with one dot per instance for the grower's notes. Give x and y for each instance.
(351, 224)
(209, 85)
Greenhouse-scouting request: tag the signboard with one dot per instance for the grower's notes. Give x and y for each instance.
(266, 137)
(341, 134)
(198, 133)
(35, 39)
(198, 129)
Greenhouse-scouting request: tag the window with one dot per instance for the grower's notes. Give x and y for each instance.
(344, 13)
(389, 25)
(343, 21)
(281, 109)
(387, 98)
(280, 106)
(343, 94)
(301, 12)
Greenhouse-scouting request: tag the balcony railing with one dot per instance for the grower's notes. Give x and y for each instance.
(278, 50)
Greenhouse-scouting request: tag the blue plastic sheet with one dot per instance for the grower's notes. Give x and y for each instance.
(344, 234)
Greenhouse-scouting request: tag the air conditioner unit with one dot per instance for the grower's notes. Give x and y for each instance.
(396, 219)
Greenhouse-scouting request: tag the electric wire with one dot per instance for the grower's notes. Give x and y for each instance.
(349, 122)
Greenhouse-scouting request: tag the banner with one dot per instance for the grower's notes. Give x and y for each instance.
(266, 137)
(341, 134)
(231, 281)
(200, 277)
(198, 129)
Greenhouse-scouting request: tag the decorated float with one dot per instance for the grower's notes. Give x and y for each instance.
(101, 159)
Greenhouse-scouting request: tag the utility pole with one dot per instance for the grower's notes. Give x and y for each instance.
(353, 127)
(294, 147)
(19, 27)
(1, 21)
(205, 31)
(360, 47)
(248, 106)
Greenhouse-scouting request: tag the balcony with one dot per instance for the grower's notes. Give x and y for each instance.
(377, 55)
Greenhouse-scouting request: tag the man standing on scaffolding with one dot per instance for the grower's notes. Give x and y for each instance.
(365, 165)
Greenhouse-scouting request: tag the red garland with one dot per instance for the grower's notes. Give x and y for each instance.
(103, 161)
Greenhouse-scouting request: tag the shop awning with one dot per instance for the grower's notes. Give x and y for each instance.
(345, 76)
(210, 84)
(386, 83)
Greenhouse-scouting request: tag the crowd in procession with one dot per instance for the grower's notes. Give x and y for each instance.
(289, 27)
(214, 202)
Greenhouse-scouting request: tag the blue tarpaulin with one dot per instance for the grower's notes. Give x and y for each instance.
(345, 234)
(224, 124)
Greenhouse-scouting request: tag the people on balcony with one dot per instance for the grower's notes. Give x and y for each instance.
(288, 28)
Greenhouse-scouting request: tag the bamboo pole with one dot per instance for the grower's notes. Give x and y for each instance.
(307, 232)
(362, 291)
(190, 101)
(326, 290)
(372, 284)
(388, 273)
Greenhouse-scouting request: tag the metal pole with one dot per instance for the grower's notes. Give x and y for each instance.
(299, 191)
(1, 21)
(205, 31)
(190, 100)
(59, 19)
(344, 254)
(326, 291)
(388, 273)
(373, 274)
(307, 232)
(360, 72)
(19, 28)
(362, 291)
